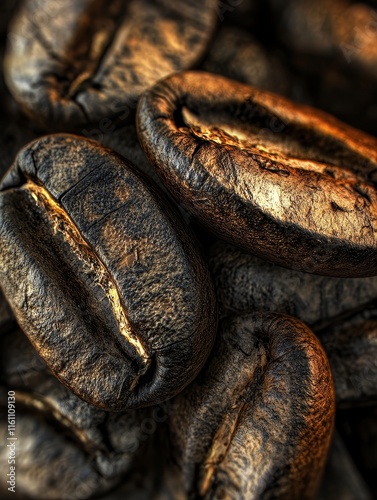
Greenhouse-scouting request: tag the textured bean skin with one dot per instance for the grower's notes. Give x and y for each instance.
(102, 275)
(64, 444)
(257, 422)
(302, 198)
(245, 283)
(80, 61)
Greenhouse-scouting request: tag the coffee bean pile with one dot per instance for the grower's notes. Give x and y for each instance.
(188, 249)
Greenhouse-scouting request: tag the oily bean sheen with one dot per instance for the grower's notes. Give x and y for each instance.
(102, 276)
(257, 422)
(283, 181)
(245, 283)
(78, 61)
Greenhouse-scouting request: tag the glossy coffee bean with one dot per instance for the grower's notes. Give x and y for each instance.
(351, 347)
(73, 445)
(245, 283)
(102, 275)
(257, 421)
(79, 61)
(284, 182)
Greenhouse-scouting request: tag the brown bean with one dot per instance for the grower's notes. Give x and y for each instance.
(72, 445)
(79, 61)
(283, 181)
(50, 466)
(102, 275)
(257, 421)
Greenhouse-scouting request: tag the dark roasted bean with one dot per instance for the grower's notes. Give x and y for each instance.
(50, 466)
(79, 61)
(245, 283)
(257, 421)
(102, 275)
(283, 181)
(73, 445)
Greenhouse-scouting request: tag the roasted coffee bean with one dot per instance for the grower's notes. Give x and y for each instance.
(351, 348)
(245, 283)
(283, 181)
(50, 466)
(257, 422)
(101, 446)
(79, 61)
(102, 275)
(341, 477)
(125, 142)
